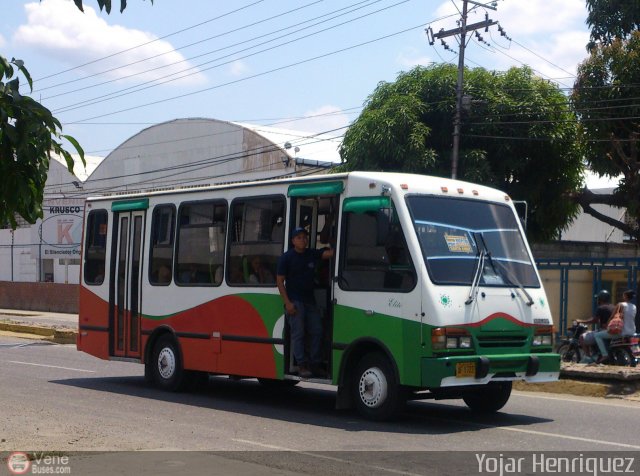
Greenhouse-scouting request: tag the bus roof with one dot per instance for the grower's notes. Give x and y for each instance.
(402, 183)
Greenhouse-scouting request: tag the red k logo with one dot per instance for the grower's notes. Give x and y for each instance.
(64, 227)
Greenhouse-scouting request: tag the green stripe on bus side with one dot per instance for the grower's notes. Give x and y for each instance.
(400, 336)
(365, 204)
(130, 205)
(159, 318)
(315, 189)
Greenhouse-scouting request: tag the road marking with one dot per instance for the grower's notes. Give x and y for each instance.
(569, 437)
(540, 433)
(613, 403)
(331, 458)
(50, 366)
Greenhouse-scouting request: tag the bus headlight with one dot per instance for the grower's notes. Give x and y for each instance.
(543, 336)
(450, 338)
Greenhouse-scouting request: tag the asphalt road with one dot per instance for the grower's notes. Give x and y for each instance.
(56, 399)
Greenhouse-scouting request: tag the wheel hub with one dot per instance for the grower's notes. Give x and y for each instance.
(166, 363)
(373, 388)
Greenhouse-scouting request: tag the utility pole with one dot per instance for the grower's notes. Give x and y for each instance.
(462, 31)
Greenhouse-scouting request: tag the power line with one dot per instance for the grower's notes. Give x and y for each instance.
(281, 68)
(149, 42)
(157, 81)
(212, 161)
(350, 110)
(177, 49)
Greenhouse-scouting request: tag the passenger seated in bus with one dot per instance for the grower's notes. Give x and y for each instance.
(259, 273)
(193, 275)
(217, 277)
(163, 275)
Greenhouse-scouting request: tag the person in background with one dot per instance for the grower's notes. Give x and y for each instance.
(602, 315)
(628, 313)
(259, 273)
(295, 280)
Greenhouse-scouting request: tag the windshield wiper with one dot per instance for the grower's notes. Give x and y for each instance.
(476, 277)
(513, 280)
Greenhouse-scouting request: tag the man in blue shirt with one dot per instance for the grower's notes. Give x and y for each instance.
(295, 279)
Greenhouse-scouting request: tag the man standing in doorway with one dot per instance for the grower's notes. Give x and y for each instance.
(295, 279)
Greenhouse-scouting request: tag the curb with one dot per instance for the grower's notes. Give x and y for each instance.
(47, 333)
(584, 388)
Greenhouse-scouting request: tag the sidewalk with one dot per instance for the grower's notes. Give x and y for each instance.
(575, 379)
(54, 326)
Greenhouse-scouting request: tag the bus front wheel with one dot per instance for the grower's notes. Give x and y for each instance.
(489, 398)
(375, 388)
(166, 368)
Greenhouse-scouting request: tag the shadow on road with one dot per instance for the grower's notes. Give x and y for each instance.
(308, 404)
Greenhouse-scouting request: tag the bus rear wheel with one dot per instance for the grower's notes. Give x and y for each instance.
(489, 398)
(375, 388)
(166, 368)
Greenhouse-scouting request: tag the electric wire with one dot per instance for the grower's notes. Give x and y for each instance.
(172, 77)
(148, 42)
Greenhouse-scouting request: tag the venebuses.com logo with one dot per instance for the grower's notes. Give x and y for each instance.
(18, 462)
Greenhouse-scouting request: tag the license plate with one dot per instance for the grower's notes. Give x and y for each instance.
(466, 369)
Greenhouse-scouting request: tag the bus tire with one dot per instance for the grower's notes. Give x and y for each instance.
(489, 398)
(166, 365)
(375, 388)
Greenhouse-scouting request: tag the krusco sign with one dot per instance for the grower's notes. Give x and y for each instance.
(59, 233)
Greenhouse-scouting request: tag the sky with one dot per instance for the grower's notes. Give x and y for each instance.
(306, 65)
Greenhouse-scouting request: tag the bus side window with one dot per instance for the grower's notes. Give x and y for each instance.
(161, 251)
(95, 247)
(376, 257)
(201, 241)
(257, 240)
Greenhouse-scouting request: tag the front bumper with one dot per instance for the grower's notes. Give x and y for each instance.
(441, 371)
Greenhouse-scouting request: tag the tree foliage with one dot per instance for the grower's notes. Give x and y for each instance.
(518, 135)
(28, 135)
(606, 97)
(611, 19)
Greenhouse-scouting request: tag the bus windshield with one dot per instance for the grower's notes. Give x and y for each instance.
(457, 236)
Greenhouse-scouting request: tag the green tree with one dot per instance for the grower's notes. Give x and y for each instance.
(29, 134)
(611, 19)
(519, 136)
(605, 95)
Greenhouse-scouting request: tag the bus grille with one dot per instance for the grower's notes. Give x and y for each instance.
(501, 341)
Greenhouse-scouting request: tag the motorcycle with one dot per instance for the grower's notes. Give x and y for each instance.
(569, 347)
(625, 350)
(622, 350)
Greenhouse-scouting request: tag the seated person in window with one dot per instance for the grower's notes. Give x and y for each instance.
(193, 275)
(163, 274)
(259, 273)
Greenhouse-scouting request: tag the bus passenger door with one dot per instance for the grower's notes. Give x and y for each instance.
(125, 304)
(316, 213)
